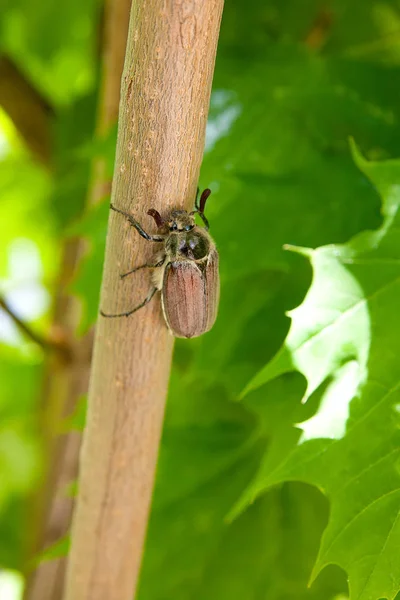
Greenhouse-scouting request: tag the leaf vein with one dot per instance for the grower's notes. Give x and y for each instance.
(359, 514)
(345, 313)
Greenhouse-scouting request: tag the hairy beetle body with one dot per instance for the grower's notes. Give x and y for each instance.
(185, 271)
(190, 295)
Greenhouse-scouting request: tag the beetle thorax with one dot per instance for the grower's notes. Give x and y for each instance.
(188, 245)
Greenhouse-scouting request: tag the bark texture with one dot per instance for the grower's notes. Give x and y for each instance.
(163, 111)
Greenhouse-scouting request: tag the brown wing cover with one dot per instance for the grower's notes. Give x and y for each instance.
(190, 296)
(212, 288)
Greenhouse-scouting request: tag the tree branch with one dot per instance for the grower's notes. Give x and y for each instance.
(163, 112)
(116, 16)
(318, 35)
(47, 344)
(64, 383)
(28, 110)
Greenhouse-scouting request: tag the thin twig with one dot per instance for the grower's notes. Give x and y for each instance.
(47, 344)
(26, 107)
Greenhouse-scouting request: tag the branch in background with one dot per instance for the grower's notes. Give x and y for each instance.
(163, 112)
(115, 28)
(65, 384)
(29, 111)
(53, 345)
(319, 33)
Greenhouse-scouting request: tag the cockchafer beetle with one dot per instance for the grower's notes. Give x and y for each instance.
(185, 271)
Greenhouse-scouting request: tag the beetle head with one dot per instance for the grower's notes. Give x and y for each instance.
(180, 220)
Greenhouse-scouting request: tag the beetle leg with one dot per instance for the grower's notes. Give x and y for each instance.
(200, 207)
(205, 220)
(139, 229)
(159, 264)
(130, 312)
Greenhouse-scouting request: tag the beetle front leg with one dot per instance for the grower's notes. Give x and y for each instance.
(130, 312)
(199, 205)
(139, 229)
(205, 220)
(159, 264)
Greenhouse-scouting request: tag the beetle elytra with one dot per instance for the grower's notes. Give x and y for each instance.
(185, 271)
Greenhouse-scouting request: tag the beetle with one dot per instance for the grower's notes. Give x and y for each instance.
(185, 271)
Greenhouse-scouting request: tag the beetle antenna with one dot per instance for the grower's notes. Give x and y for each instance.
(203, 200)
(201, 205)
(152, 212)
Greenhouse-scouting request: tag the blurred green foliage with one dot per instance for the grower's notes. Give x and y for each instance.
(55, 45)
(253, 490)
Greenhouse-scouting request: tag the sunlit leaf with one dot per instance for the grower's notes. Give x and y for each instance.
(348, 317)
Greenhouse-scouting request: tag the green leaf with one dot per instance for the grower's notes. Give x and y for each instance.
(266, 553)
(278, 161)
(346, 330)
(53, 44)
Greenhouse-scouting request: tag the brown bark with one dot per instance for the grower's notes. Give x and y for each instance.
(28, 110)
(164, 104)
(67, 382)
